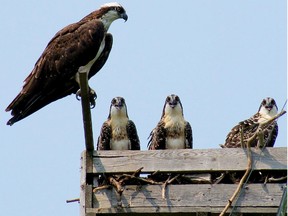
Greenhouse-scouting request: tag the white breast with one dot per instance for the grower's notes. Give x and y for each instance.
(174, 120)
(178, 143)
(120, 145)
(86, 68)
(119, 139)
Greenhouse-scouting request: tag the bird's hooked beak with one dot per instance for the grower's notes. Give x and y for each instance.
(269, 107)
(119, 105)
(172, 103)
(124, 16)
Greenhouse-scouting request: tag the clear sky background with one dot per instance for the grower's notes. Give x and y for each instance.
(221, 57)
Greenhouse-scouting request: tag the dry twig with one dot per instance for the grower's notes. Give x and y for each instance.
(154, 173)
(116, 184)
(259, 133)
(272, 179)
(101, 188)
(174, 178)
(249, 167)
(263, 124)
(168, 181)
(73, 200)
(164, 187)
(128, 177)
(220, 178)
(150, 181)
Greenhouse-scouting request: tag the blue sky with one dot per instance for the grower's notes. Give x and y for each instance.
(221, 57)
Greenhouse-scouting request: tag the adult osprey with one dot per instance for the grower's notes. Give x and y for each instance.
(82, 46)
(266, 111)
(118, 132)
(172, 131)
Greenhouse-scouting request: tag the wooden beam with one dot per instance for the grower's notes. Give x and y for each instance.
(185, 211)
(87, 122)
(188, 160)
(85, 189)
(256, 198)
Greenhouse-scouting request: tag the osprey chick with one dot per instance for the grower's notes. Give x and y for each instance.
(82, 46)
(118, 132)
(172, 131)
(266, 111)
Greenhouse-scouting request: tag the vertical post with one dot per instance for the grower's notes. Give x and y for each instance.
(88, 133)
(283, 204)
(85, 188)
(87, 156)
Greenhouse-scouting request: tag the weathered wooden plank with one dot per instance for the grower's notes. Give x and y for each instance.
(190, 195)
(183, 211)
(188, 160)
(255, 198)
(85, 189)
(82, 184)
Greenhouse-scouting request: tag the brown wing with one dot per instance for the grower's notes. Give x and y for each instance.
(250, 126)
(105, 137)
(133, 135)
(52, 76)
(188, 136)
(270, 134)
(157, 137)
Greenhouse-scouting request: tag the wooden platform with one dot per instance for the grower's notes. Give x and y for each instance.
(180, 199)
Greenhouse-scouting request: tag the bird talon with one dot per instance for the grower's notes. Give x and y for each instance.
(92, 105)
(78, 95)
(92, 98)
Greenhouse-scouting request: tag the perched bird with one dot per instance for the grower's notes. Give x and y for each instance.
(172, 131)
(267, 110)
(83, 46)
(118, 132)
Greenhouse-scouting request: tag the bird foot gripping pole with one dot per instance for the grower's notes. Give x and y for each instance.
(86, 112)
